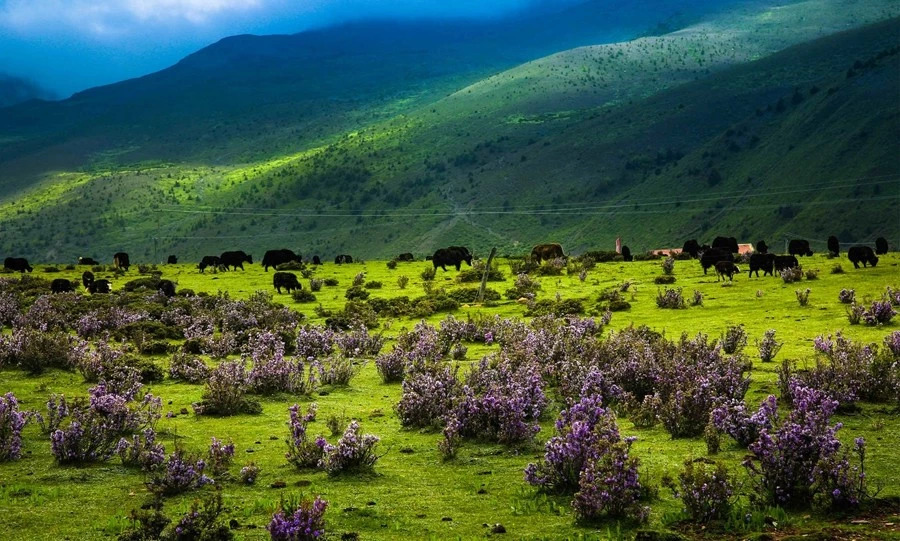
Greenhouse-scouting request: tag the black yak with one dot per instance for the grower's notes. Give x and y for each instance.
(726, 243)
(708, 258)
(453, 255)
(783, 262)
(691, 247)
(799, 247)
(61, 285)
(761, 247)
(120, 261)
(87, 278)
(406, 257)
(18, 264)
(626, 254)
(286, 280)
(273, 258)
(317, 260)
(343, 258)
(172, 260)
(862, 254)
(209, 261)
(881, 246)
(547, 252)
(87, 261)
(762, 262)
(726, 268)
(166, 287)
(235, 259)
(834, 247)
(100, 286)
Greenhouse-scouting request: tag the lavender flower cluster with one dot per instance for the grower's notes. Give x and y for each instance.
(144, 453)
(179, 473)
(12, 421)
(303, 451)
(305, 523)
(353, 452)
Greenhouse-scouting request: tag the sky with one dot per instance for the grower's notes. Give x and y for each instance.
(69, 45)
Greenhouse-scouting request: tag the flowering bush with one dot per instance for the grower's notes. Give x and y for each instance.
(768, 347)
(609, 485)
(697, 299)
(250, 473)
(670, 298)
(783, 458)
(314, 342)
(855, 313)
(302, 451)
(187, 368)
(523, 285)
(98, 361)
(731, 417)
(357, 342)
(337, 370)
(144, 452)
(201, 521)
(849, 371)
(226, 391)
(179, 473)
(705, 492)
(305, 523)
(792, 274)
(429, 392)
(271, 372)
(353, 453)
(847, 296)
(838, 485)
(668, 266)
(880, 313)
(579, 428)
(12, 421)
(35, 351)
(803, 296)
(734, 339)
(220, 456)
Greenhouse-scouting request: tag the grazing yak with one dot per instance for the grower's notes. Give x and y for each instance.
(343, 258)
(18, 264)
(726, 243)
(783, 262)
(726, 268)
(210, 261)
(273, 258)
(799, 247)
(172, 260)
(100, 286)
(452, 255)
(87, 278)
(286, 280)
(708, 258)
(120, 261)
(547, 252)
(691, 247)
(626, 254)
(762, 262)
(166, 287)
(406, 257)
(881, 246)
(761, 247)
(87, 261)
(61, 285)
(235, 259)
(862, 254)
(834, 247)
(317, 260)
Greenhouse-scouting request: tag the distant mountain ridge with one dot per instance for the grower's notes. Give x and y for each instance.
(15, 90)
(757, 122)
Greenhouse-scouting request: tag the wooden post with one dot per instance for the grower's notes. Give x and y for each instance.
(484, 278)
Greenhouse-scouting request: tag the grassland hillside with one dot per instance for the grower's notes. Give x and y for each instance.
(759, 122)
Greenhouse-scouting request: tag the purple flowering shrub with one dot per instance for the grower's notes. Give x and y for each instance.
(35, 350)
(337, 370)
(429, 392)
(839, 485)
(12, 421)
(303, 452)
(783, 459)
(144, 453)
(768, 347)
(314, 342)
(847, 296)
(734, 339)
(855, 313)
(705, 488)
(732, 418)
(501, 403)
(179, 473)
(880, 313)
(250, 473)
(220, 456)
(357, 342)
(579, 428)
(201, 521)
(188, 368)
(670, 298)
(10, 307)
(609, 486)
(353, 453)
(302, 522)
(271, 372)
(226, 392)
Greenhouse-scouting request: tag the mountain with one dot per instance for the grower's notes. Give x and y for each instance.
(15, 90)
(757, 122)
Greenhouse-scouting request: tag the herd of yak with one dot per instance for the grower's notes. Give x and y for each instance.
(720, 255)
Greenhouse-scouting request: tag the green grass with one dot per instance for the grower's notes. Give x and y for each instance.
(410, 493)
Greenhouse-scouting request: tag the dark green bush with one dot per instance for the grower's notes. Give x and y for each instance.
(549, 307)
(664, 279)
(357, 293)
(302, 295)
(467, 295)
(330, 282)
(372, 285)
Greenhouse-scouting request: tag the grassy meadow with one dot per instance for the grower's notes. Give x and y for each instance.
(413, 493)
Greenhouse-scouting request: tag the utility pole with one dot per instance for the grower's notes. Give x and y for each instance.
(484, 277)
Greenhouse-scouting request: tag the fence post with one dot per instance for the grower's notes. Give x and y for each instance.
(487, 269)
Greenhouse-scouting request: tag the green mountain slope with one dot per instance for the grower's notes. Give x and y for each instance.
(691, 134)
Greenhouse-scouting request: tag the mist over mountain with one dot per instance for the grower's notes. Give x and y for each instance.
(15, 90)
